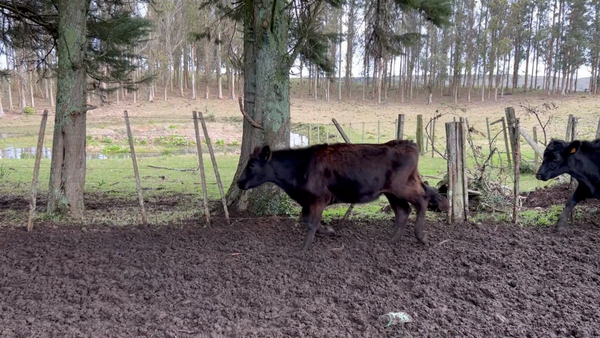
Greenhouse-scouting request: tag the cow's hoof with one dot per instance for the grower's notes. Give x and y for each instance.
(326, 230)
(422, 238)
(561, 230)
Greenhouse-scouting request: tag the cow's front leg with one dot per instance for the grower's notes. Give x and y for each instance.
(580, 194)
(401, 212)
(322, 230)
(313, 223)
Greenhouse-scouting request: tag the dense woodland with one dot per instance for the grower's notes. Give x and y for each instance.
(374, 50)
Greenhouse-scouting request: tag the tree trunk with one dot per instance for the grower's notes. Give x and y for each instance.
(67, 172)
(266, 97)
(194, 65)
(207, 69)
(218, 67)
(350, 47)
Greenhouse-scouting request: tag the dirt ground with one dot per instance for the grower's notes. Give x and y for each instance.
(247, 279)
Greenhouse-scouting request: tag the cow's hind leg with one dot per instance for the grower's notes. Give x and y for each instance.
(401, 212)
(581, 193)
(313, 223)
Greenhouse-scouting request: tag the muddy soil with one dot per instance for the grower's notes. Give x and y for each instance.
(557, 194)
(248, 279)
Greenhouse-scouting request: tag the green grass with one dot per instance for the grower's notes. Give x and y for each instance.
(115, 176)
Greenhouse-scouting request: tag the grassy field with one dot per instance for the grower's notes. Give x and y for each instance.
(164, 137)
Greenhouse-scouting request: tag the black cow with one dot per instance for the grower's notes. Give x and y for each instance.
(322, 175)
(581, 160)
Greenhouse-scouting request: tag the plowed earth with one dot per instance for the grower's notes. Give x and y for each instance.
(248, 279)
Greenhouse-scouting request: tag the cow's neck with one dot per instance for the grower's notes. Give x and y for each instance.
(288, 167)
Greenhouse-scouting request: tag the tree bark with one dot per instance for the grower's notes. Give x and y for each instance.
(266, 97)
(67, 172)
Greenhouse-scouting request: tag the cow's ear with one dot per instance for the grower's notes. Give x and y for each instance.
(256, 151)
(265, 153)
(574, 146)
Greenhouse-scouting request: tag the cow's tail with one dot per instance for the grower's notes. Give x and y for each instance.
(436, 201)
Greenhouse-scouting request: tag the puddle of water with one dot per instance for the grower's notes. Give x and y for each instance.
(296, 140)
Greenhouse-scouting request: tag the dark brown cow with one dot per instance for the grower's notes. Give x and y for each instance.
(581, 160)
(322, 175)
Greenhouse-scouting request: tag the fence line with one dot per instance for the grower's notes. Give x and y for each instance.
(482, 147)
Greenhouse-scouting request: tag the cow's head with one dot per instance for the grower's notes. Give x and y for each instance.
(556, 159)
(258, 170)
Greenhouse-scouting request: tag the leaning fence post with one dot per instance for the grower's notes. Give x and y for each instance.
(458, 196)
(36, 169)
(201, 168)
(135, 170)
(489, 135)
(214, 162)
(400, 130)
(536, 162)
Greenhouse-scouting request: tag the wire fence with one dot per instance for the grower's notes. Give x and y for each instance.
(167, 155)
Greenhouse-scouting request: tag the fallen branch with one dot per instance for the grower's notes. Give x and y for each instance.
(246, 116)
(176, 169)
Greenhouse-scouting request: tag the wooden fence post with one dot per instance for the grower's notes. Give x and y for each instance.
(419, 136)
(458, 196)
(598, 129)
(568, 135)
(135, 170)
(201, 168)
(400, 130)
(36, 170)
(515, 135)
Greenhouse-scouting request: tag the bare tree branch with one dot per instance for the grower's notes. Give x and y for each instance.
(246, 116)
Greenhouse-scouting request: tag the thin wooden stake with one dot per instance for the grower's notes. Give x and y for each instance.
(36, 170)
(506, 144)
(363, 133)
(214, 162)
(433, 138)
(201, 167)
(135, 170)
(598, 129)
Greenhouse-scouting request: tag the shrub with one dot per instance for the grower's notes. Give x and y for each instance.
(28, 110)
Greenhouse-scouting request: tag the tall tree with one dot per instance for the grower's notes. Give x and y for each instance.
(91, 39)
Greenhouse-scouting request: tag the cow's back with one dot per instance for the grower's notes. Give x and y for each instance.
(360, 172)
